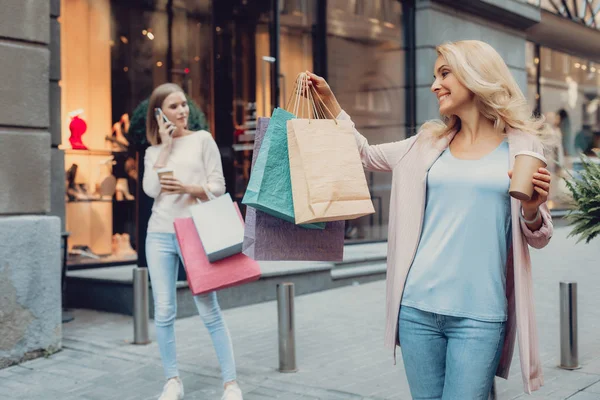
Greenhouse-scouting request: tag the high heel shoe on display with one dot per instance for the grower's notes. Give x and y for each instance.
(115, 144)
(118, 134)
(70, 175)
(121, 246)
(116, 239)
(125, 122)
(123, 190)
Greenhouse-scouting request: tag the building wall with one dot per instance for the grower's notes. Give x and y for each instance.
(437, 23)
(30, 308)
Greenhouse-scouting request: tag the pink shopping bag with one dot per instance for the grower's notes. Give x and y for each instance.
(204, 276)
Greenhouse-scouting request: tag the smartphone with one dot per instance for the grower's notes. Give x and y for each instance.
(159, 112)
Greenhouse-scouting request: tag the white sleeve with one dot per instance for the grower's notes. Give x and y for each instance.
(381, 157)
(215, 181)
(150, 182)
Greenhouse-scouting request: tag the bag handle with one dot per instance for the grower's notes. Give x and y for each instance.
(301, 100)
(321, 103)
(313, 104)
(208, 193)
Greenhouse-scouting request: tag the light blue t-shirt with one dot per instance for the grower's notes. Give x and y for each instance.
(460, 265)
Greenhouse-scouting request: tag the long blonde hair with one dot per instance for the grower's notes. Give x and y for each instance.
(157, 98)
(498, 97)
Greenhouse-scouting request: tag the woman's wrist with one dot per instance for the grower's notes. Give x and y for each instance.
(333, 106)
(530, 216)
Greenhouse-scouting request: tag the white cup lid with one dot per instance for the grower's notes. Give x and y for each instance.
(532, 154)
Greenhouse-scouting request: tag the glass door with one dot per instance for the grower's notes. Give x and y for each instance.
(260, 47)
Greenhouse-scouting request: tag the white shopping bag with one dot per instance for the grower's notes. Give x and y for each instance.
(219, 226)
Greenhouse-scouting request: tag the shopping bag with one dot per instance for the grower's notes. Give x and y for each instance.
(204, 276)
(270, 238)
(328, 179)
(269, 188)
(219, 227)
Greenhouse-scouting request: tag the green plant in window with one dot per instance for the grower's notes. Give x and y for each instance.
(137, 130)
(585, 216)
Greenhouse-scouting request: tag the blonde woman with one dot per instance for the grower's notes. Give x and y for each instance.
(196, 164)
(459, 285)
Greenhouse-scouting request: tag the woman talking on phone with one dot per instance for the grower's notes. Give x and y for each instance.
(459, 283)
(193, 163)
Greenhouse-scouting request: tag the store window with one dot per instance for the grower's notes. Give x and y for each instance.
(113, 53)
(366, 70)
(569, 97)
(253, 70)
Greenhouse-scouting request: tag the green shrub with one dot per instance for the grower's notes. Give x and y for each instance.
(585, 216)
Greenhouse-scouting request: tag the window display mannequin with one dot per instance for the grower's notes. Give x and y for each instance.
(78, 127)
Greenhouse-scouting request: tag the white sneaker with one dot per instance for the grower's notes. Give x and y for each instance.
(233, 392)
(173, 390)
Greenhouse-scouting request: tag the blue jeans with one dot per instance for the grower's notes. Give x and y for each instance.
(163, 255)
(449, 358)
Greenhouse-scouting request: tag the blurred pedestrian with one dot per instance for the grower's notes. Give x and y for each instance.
(194, 165)
(459, 284)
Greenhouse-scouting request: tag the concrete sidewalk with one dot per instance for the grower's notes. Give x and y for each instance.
(339, 336)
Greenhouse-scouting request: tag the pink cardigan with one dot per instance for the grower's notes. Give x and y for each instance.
(409, 160)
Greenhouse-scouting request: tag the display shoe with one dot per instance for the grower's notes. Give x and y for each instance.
(107, 187)
(125, 122)
(124, 246)
(84, 251)
(118, 134)
(116, 145)
(81, 193)
(123, 188)
(116, 240)
(70, 176)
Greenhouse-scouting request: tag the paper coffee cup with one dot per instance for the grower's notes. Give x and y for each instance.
(164, 172)
(527, 163)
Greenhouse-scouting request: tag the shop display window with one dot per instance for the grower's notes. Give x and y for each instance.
(113, 53)
(366, 70)
(569, 98)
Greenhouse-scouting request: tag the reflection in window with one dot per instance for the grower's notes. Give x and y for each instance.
(570, 94)
(366, 72)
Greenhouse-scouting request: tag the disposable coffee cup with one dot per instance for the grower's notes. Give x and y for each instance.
(164, 172)
(527, 163)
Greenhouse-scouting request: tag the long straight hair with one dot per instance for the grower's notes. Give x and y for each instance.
(156, 100)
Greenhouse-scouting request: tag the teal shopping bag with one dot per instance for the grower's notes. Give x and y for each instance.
(270, 185)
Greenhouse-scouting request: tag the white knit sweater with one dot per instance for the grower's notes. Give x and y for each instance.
(195, 160)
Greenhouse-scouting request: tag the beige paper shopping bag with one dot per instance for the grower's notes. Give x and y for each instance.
(328, 180)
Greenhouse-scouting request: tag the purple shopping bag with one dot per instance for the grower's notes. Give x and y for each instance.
(272, 239)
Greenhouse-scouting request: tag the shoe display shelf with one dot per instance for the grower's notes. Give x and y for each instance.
(91, 206)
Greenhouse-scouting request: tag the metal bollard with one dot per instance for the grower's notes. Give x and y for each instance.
(285, 318)
(569, 352)
(141, 312)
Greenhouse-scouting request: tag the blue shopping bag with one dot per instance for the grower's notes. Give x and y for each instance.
(270, 186)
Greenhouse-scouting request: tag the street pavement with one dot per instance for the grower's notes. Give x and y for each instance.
(339, 341)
